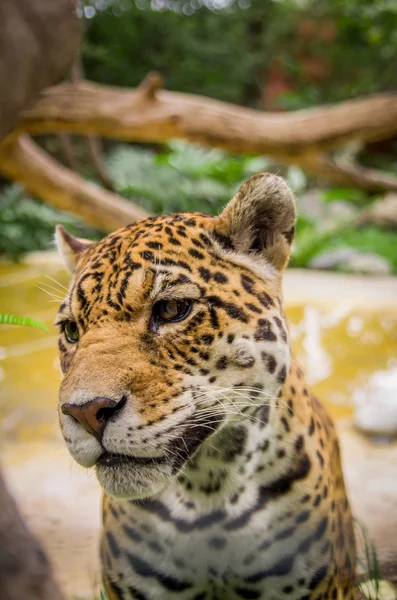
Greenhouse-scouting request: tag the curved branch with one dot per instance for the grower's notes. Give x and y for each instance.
(351, 174)
(22, 160)
(150, 114)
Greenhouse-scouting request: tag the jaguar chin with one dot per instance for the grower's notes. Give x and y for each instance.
(133, 477)
(130, 477)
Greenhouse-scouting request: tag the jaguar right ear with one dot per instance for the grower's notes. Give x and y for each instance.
(70, 248)
(260, 219)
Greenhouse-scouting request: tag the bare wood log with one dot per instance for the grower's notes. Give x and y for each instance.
(349, 174)
(160, 115)
(22, 160)
(151, 114)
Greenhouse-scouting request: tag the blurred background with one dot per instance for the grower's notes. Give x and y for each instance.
(274, 57)
(278, 56)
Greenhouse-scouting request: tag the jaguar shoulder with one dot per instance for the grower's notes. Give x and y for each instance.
(221, 472)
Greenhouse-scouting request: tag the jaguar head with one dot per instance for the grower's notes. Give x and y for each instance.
(172, 331)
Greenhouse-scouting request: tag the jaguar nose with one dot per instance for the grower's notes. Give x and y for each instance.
(94, 414)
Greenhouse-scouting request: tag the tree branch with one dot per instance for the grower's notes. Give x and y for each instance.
(22, 160)
(350, 174)
(150, 114)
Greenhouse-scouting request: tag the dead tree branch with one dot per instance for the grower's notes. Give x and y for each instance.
(151, 114)
(148, 116)
(22, 160)
(312, 139)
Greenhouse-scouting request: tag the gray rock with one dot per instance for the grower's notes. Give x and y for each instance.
(369, 264)
(326, 215)
(351, 260)
(376, 405)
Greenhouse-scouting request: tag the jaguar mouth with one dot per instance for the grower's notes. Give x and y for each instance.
(108, 459)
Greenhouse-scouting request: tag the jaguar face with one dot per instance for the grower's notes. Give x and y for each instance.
(172, 331)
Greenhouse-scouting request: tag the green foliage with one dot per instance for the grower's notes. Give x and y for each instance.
(188, 178)
(28, 224)
(121, 46)
(230, 53)
(352, 195)
(6, 319)
(327, 50)
(310, 242)
(181, 178)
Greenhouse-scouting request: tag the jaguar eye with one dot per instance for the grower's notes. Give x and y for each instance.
(71, 332)
(172, 311)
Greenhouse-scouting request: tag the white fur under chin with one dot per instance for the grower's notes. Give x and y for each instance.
(126, 483)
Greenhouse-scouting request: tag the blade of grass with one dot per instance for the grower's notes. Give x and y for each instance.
(6, 319)
(370, 563)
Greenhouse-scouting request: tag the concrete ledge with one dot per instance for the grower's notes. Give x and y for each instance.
(331, 290)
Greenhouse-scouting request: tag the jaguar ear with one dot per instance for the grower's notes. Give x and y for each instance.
(260, 219)
(70, 248)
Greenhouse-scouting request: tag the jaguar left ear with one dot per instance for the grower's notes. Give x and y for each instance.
(70, 248)
(260, 219)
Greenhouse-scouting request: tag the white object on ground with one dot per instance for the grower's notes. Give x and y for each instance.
(376, 405)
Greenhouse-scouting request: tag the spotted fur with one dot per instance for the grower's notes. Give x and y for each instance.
(222, 474)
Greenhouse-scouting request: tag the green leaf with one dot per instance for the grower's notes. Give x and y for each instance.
(6, 319)
(27, 224)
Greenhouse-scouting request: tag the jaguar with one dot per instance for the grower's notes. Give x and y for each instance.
(221, 472)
